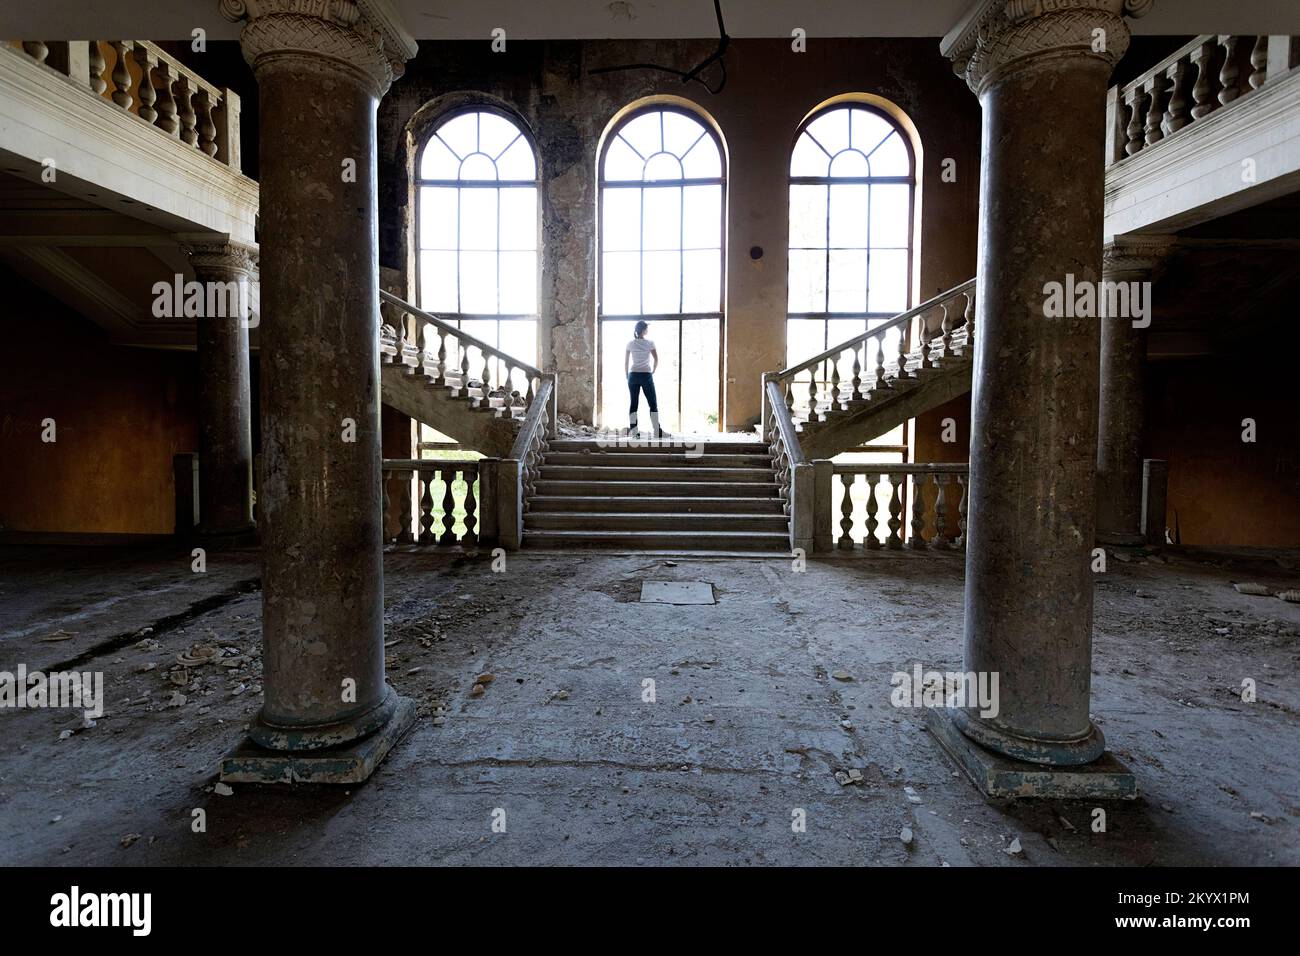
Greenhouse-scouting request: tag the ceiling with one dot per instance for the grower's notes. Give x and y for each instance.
(626, 19)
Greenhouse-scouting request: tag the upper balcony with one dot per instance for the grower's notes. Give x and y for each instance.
(112, 153)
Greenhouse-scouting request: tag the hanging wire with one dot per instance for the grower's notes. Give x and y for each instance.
(688, 76)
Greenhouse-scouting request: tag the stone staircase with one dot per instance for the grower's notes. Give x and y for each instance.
(713, 496)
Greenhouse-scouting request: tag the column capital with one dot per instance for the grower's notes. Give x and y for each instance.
(217, 255)
(1136, 256)
(363, 39)
(998, 36)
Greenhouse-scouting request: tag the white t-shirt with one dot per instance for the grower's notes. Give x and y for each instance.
(640, 350)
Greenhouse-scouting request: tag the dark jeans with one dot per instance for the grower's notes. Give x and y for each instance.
(644, 381)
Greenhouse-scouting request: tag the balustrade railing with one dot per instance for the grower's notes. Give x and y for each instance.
(1194, 82)
(439, 502)
(793, 474)
(448, 356)
(901, 347)
(870, 507)
(143, 79)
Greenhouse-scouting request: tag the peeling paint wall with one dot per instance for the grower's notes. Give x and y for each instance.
(770, 89)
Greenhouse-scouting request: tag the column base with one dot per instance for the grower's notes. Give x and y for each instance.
(350, 762)
(998, 776)
(1121, 539)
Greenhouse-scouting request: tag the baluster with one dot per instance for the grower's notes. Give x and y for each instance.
(946, 326)
(442, 358)
(448, 507)
(167, 121)
(917, 538)
(36, 49)
(406, 535)
(880, 360)
(121, 76)
(148, 62)
(871, 541)
(969, 317)
(428, 510)
(1259, 62)
(789, 395)
(464, 369)
(835, 384)
(1135, 99)
(471, 538)
(1176, 116)
(940, 540)
(845, 542)
(206, 127)
(185, 110)
(485, 400)
(1231, 72)
(812, 395)
(97, 67)
(857, 373)
(902, 353)
(895, 512)
(960, 541)
(1155, 91)
(1203, 89)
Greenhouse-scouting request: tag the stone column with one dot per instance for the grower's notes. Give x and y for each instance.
(226, 270)
(1041, 71)
(1131, 261)
(321, 68)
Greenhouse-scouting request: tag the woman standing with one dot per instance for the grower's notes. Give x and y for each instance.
(639, 362)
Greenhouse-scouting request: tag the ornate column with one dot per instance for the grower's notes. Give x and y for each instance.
(1132, 260)
(321, 67)
(225, 435)
(1040, 69)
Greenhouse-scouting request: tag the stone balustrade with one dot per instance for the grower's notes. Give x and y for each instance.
(452, 358)
(890, 506)
(439, 502)
(793, 474)
(1196, 81)
(142, 79)
(904, 346)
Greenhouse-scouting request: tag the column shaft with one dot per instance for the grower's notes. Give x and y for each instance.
(1120, 430)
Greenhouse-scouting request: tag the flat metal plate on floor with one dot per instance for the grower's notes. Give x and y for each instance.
(677, 592)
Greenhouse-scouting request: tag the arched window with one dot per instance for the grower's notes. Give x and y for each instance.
(662, 197)
(476, 230)
(852, 179)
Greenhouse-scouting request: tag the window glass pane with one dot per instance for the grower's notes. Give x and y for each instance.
(889, 280)
(662, 278)
(681, 132)
(702, 217)
(849, 215)
(518, 338)
(621, 219)
(519, 218)
(808, 216)
(662, 166)
(460, 133)
(663, 219)
(699, 377)
(478, 218)
(478, 167)
(807, 280)
(621, 163)
(804, 338)
(890, 205)
(438, 281)
(518, 283)
(703, 161)
(808, 158)
(891, 158)
(495, 133)
(850, 163)
(848, 283)
(620, 283)
(517, 161)
(614, 336)
(869, 129)
(701, 275)
(643, 134)
(831, 129)
(437, 161)
(478, 282)
(437, 217)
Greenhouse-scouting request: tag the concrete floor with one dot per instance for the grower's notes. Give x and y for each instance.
(749, 723)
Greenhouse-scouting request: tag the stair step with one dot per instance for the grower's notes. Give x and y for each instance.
(658, 489)
(646, 503)
(677, 473)
(647, 446)
(623, 459)
(666, 540)
(649, 521)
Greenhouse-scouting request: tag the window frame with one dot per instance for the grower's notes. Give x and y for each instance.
(642, 185)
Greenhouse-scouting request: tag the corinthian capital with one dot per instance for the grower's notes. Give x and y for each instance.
(997, 36)
(1136, 256)
(217, 256)
(361, 38)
